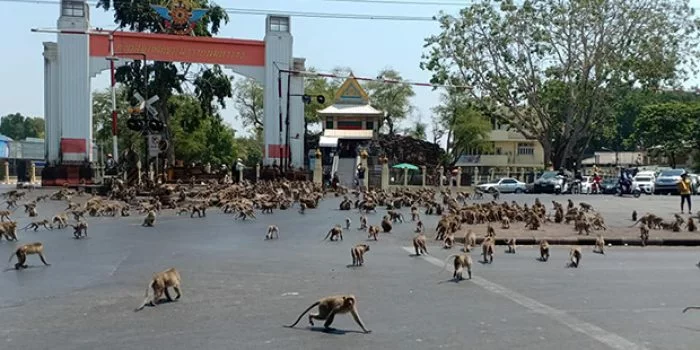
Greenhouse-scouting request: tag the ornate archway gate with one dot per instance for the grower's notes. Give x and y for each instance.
(80, 54)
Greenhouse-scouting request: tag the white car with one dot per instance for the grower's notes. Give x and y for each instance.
(645, 181)
(587, 185)
(503, 185)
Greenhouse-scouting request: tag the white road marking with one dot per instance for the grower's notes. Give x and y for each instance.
(610, 339)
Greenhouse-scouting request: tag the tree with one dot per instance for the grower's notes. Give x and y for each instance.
(510, 54)
(166, 78)
(250, 149)
(437, 130)
(18, 127)
(667, 128)
(102, 121)
(464, 124)
(418, 130)
(391, 98)
(248, 98)
(315, 86)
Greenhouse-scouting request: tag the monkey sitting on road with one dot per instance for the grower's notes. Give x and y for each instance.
(33, 213)
(511, 245)
(330, 306)
(544, 250)
(461, 262)
(505, 223)
(363, 222)
(599, 245)
(160, 283)
(358, 254)
(419, 244)
(28, 249)
(334, 233)
(386, 224)
(35, 225)
(691, 225)
(490, 232)
(415, 216)
(80, 229)
(575, 256)
(420, 227)
(150, 219)
(449, 241)
(373, 232)
(272, 231)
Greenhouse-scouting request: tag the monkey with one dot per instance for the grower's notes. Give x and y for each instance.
(415, 216)
(395, 216)
(419, 244)
(420, 227)
(575, 256)
(28, 249)
(544, 250)
(334, 233)
(373, 232)
(245, 214)
(634, 215)
(487, 247)
(358, 254)
(570, 205)
(644, 234)
(469, 240)
(558, 215)
(150, 219)
(363, 222)
(61, 220)
(449, 241)
(328, 307)
(184, 210)
(691, 225)
(386, 224)
(160, 282)
(599, 245)
(490, 232)
(9, 230)
(585, 206)
(511, 245)
(348, 222)
(200, 210)
(461, 261)
(5, 214)
(35, 225)
(302, 208)
(32, 212)
(505, 223)
(272, 231)
(582, 225)
(11, 203)
(80, 229)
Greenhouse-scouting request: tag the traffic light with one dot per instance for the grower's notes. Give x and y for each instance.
(319, 98)
(155, 125)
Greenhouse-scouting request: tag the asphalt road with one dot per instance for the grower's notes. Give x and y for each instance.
(238, 290)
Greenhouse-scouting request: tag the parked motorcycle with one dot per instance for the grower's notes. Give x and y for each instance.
(628, 188)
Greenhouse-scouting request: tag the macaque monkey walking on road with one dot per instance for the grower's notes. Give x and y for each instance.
(330, 306)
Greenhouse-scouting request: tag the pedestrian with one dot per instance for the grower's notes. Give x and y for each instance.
(684, 187)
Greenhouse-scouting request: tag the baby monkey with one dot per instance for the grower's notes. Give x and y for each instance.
(272, 232)
(575, 256)
(150, 219)
(330, 306)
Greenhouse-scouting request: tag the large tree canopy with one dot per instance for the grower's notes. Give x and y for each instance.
(211, 85)
(464, 124)
(393, 99)
(525, 56)
(668, 128)
(19, 127)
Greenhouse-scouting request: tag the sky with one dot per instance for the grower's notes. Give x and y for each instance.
(366, 46)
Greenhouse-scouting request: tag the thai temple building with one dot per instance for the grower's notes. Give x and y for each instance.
(349, 124)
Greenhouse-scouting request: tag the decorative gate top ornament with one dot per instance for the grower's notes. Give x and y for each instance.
(180, 18)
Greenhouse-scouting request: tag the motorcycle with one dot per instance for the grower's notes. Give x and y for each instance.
(567, 187)
(628, 188)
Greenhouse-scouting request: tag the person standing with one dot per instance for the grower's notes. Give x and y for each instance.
(685, 188)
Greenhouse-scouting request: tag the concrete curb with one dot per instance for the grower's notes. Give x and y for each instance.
(687, 242)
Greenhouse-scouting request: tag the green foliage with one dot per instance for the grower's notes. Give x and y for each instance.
(248, 99)
(210, 141)
(250, 149)
(418, 131)
(508, 53)
(668, 128)
(102, 121)
(315, 86)
(19, 127)
(466, 126)
(392, 99)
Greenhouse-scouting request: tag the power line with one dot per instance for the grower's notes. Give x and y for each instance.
(377, 79)
(263, 12)
(402, 2)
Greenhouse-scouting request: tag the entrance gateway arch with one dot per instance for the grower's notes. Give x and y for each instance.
(80, 54)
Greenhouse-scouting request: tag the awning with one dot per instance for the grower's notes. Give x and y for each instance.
(349, 134)
(325, 141)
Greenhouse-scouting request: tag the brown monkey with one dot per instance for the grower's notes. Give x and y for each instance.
(373, 232)
(348, 222)
(420, 227)
(334, 233)
(691, 225)
(160, 283)
(461, 261)
(272, 231)
(599, 245)
(505, 223)
(511, 245)
(644, 234)
(150, 219)
(544, 250)
(5, 214)
(358, 254)
(302, 208)
(575, 256)
(199, 209)
(330, 306)
(469, 240)
(585, 206)
(490, 232)
(363, 222)
(32, 212)
(267, 207)
(634, 215)
(419, 244)
(28, 249)
(449, 240)
(61, 220)
(125, 211)
(9, 230)
(487, 247)
(386, 224)
(582, 225)
(245, 214)
(80, 229)
(415, 216)
(35, 225)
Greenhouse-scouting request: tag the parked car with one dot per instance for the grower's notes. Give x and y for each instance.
(609, 185)
(587, 185)
(695, 182)
(667, 182)
(504, 185)
(547, 182)
(645, 181)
